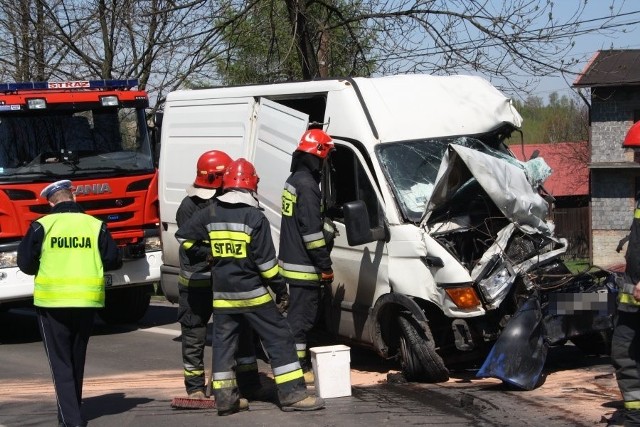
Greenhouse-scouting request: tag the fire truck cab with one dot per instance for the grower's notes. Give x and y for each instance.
(93, 133)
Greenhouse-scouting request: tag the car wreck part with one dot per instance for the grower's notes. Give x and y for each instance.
(519, 354)
(462, 333)
(463, 296)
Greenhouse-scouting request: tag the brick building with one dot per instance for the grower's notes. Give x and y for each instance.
(613, 77)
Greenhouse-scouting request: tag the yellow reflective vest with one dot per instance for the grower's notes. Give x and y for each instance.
(71, 271)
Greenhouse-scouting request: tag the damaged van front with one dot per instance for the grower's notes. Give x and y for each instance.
(448, 256)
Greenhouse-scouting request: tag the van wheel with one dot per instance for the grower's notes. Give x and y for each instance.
(126, 305)
(418, 357)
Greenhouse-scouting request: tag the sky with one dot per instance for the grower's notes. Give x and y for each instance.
(627, 19)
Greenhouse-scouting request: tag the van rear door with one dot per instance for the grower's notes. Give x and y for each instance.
(192, 125)
(278, 130)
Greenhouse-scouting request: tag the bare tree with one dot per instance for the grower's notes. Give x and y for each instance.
(163, 43)
(168, 44)
(517, 41)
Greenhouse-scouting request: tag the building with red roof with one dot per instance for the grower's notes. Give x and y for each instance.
(568, 184)
(569, 163)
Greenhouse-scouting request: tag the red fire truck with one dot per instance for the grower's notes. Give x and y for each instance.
(95, 134)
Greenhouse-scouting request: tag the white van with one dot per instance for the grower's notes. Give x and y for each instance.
(441, 233)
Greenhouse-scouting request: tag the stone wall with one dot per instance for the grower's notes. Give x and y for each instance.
(612, 188)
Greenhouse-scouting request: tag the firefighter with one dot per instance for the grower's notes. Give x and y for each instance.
(195, 302)
(244, 263)
(625, 345)
(304, 259)
(67, 251)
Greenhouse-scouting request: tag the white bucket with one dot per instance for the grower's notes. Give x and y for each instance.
(332, 370)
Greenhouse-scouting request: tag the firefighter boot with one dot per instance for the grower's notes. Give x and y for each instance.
(239, 406)
(309, 378)
(198, 394)
(309, 403)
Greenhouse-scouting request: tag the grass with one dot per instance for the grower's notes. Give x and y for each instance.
(578, 265)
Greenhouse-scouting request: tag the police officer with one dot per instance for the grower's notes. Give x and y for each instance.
(67, 251)
(195, 302)
(244, 263)
(625, 345)
(304, 257)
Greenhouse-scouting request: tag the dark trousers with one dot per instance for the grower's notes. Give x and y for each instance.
(194, 310)
(302, 316)
(625, 355)
(276, 336)
(65, 334)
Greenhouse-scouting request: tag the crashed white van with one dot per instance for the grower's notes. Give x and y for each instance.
(442, 233)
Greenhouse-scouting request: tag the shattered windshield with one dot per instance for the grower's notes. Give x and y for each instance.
(64, 143)
(412, 168)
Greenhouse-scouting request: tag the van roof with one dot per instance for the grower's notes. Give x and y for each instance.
(416, 106)
(401, 107)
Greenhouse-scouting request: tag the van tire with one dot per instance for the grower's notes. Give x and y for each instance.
(418, 357)
(126, 305)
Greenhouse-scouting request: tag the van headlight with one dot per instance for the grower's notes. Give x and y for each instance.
(152, 243)
(496, 286)
(8, 259)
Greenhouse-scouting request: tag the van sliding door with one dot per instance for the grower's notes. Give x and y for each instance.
(278, 130)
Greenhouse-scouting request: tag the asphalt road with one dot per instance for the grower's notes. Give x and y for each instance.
(133, 372)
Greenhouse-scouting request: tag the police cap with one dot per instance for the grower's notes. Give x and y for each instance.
(48, 191)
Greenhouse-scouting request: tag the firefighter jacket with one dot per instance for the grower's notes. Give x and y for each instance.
(632, 271)
(243, 256)
(303, 253)
(68, 251)
(195, 271)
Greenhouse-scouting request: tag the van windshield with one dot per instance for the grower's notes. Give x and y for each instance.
(412, 167)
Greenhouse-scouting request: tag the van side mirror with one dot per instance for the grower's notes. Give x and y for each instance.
(356, 221)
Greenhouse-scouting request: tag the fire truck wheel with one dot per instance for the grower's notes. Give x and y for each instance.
(418, 357)
(126, 305)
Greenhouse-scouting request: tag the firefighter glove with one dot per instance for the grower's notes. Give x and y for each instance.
(327, 277)
(282, 302)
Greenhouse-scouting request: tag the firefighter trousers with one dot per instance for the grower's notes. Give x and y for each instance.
(302, 316)
(194, 310)
(276, 336)
(625, 355)
(65, 334)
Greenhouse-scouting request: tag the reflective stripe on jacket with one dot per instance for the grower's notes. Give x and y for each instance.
(243, 255)
(303, 251)
(195, 271)
(71, 270)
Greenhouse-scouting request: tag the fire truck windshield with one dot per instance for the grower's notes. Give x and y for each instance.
(60, 142)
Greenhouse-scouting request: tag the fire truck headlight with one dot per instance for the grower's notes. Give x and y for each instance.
(109, 101)
(36, 104)
(8, 259)
(152, 244)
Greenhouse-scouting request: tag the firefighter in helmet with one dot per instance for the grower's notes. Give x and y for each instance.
(244, 264)
(304, 259)
(625, 344)
(195, 302)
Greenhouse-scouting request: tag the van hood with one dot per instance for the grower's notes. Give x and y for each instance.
(508, 182)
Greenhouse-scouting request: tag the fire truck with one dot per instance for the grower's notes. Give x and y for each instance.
(95, 134)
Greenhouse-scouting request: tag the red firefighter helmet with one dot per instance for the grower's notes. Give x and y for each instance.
(210, 168)
(633, 136)
(316, 142)
(240, 174)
